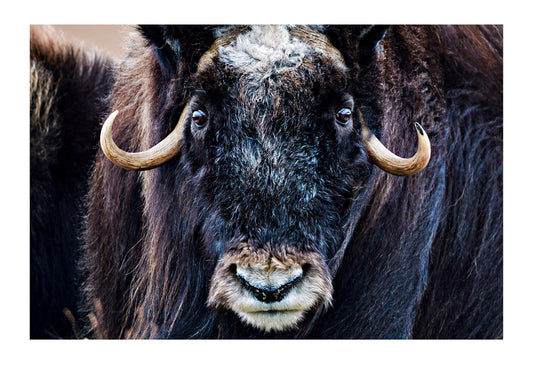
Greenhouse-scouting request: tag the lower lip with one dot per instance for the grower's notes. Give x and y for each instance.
(268, 320)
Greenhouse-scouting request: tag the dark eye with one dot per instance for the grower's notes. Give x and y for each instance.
(343, 115)
(199, 118)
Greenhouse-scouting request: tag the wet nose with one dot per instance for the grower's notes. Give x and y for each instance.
(271, 285)
(268, 295)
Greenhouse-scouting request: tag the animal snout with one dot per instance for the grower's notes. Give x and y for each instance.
(270, 288)
(268, 284)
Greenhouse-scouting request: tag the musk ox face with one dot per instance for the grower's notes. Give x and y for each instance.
(272, 147)
(269, 162)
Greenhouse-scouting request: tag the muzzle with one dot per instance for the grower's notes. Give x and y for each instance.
(270, 289)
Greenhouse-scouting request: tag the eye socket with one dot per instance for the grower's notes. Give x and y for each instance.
(199, 118)
(344, 115)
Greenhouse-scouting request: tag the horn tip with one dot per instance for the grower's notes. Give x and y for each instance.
(419, 128)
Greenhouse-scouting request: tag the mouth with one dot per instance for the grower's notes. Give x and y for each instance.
(273, 320)
(274, 311)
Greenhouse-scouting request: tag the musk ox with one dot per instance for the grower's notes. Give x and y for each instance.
(67, 85)
(242, 188)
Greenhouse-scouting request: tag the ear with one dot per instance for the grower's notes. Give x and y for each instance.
(357, 43)
(178, 47)
(370, 39)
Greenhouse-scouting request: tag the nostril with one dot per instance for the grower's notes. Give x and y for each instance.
(233, 268)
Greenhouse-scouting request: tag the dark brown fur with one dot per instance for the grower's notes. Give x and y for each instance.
(445, 227)
(68, 84)
(423, 254)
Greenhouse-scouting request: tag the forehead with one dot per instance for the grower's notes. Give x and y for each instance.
(272, 69)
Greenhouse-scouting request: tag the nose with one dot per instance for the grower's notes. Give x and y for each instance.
(268, 285)
(269, 295)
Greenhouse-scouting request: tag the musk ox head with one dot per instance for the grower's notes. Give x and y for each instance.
(269, 157)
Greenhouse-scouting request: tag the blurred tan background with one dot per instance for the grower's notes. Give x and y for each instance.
(108, 37)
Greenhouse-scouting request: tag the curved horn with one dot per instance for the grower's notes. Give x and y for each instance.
(388, 161)
(160, 153)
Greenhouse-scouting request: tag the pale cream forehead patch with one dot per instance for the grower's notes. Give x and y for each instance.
(264, 46)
